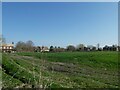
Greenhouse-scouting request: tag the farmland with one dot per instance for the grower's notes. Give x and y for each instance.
(60, 70)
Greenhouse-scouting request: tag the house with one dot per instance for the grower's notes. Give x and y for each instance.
(7, 48)
(44, 49)
(91, 48)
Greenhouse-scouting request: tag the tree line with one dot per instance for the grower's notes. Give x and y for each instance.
(29, 47)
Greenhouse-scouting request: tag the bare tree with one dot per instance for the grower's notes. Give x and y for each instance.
(29, 45)
(22, 46)
(70, 48)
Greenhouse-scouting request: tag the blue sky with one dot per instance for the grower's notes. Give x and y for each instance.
(61, 24)
(0, 18)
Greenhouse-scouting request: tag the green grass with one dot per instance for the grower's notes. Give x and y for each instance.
(9, 81)
(17, 71)
(62, 70)
(93, 59)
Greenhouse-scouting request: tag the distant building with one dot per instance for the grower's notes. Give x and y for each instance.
(44, 49)
(91, 48)
(98, 46)
(80, 47)
(7, 47)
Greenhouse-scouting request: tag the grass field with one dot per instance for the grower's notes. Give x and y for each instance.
(60, 70)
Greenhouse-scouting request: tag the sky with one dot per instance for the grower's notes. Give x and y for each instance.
(61, 23)
(0, 17)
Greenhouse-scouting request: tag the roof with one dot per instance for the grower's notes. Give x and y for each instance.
(45, 48)
(7, 44)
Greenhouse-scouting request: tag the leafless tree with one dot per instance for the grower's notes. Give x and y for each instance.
(70, 48)
(25, 46)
